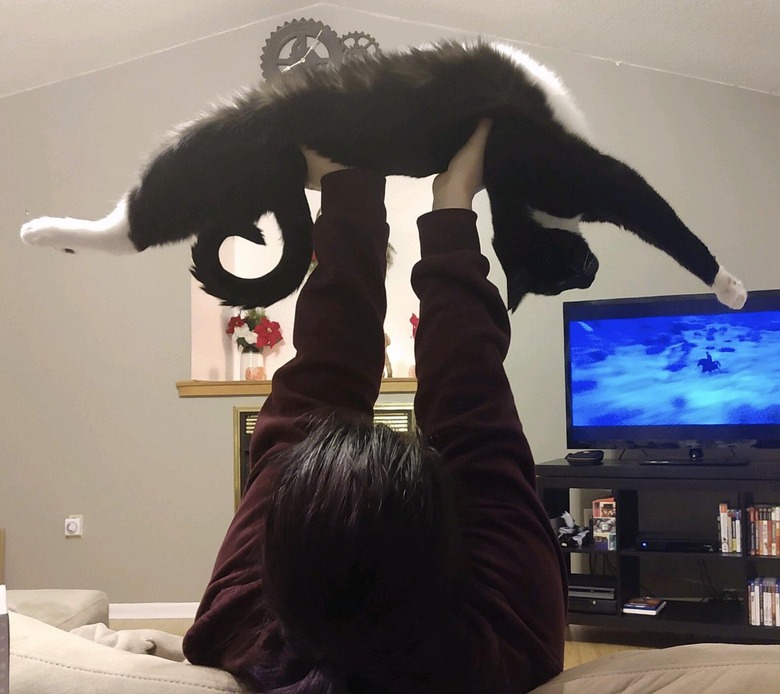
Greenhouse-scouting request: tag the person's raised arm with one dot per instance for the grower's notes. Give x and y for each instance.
(465, 409)
(463, 334)
(339, 339)
(339, 316)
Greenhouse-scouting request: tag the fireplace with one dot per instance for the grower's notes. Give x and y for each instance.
(397, 416)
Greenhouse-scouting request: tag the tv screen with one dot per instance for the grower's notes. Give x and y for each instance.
(672, 372)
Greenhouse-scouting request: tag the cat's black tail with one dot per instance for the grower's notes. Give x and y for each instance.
(294, 220)
(215, 181)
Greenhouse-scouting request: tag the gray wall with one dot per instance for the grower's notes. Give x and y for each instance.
(92, 346)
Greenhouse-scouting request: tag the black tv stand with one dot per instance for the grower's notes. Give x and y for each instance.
(686, 498)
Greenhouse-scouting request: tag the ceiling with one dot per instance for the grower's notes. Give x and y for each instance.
(733, 42)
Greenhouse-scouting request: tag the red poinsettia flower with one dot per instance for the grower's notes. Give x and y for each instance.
(415, 321)
(268, 333)
(233, 323)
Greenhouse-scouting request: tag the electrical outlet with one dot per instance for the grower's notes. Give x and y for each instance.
(74, 526)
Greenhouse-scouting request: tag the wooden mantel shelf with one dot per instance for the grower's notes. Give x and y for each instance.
(232, 389)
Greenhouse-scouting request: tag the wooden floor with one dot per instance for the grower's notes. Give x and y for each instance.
(583, 644)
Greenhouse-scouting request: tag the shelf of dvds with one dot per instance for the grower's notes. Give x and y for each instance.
(711, 594)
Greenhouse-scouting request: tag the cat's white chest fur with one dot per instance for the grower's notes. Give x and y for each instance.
(549, 221)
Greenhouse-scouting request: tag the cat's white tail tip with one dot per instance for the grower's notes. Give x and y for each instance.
(729, 290)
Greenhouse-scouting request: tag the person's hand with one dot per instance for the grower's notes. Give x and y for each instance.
(317, 167)
(457, 186)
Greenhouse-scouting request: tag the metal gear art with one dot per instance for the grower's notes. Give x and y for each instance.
(301, 41)
(358, 44)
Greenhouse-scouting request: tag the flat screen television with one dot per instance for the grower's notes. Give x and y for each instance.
(673, 372)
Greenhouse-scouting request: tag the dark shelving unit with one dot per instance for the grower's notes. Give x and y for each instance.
(630, 482)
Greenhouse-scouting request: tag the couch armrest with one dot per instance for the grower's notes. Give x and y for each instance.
(61, 608)
(45, 659)
(715, 668)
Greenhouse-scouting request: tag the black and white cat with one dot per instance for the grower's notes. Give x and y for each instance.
(401, 113)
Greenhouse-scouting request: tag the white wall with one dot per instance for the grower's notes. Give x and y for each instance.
(92, 346)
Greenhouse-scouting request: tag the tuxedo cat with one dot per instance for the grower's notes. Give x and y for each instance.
(406, 113)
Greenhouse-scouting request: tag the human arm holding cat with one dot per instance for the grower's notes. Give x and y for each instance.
(339, 339)
(465, 409)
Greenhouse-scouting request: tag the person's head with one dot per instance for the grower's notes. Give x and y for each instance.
(361, 546)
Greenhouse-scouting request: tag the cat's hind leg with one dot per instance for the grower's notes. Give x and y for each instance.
(110, 234)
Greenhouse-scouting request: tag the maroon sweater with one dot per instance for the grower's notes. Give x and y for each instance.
(464, 407)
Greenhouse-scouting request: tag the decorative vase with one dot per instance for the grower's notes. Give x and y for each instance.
(253, 365)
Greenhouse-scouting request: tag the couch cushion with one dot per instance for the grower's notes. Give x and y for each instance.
(62, 608)
(715, 668)
(45, 660)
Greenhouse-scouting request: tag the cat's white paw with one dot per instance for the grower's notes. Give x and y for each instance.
(50, 232)
(110, 234)
(729, 290)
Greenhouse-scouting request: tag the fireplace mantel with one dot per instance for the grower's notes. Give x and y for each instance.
(233, 389)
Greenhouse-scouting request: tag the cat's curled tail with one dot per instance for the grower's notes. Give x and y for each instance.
(213, 181)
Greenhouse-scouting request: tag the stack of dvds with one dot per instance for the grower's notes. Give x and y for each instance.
(764, 530)
(605, 524)
(730, 529)
(763, 601)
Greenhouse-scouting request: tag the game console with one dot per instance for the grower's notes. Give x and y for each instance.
(593, 594)
(593, 606)
(675, 542)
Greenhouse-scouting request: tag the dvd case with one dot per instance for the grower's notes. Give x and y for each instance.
(649, 606)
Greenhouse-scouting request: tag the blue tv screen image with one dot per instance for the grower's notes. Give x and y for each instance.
(722, 369)
(660, 366)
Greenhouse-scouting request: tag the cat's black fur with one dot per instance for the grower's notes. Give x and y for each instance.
(397, 113)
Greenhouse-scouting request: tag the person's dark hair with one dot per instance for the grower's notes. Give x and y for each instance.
(362, 544)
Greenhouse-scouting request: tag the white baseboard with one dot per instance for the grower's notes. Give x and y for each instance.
(152, 610)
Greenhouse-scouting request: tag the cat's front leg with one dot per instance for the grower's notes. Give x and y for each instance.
(729, 290)
(613, 192)
(110, 234)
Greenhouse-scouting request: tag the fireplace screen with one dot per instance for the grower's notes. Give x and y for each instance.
(399, 417)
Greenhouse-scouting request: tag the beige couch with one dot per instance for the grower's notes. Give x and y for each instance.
(46, 659)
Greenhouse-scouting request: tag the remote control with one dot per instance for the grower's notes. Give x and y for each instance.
(585, 457)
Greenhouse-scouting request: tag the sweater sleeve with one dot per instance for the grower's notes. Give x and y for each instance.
(339, 317)
(465, 409)
(339, 338)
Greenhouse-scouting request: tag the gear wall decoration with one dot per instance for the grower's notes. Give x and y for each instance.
(309, 42)
(358, 44)
(301, 41)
